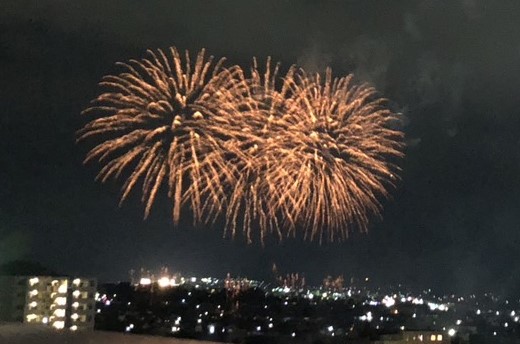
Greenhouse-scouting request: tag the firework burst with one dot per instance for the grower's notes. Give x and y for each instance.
(162, 121)
(274, 153)
(252, 198)
(335, 156)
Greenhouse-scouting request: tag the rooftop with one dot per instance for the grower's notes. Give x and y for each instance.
(34, 334)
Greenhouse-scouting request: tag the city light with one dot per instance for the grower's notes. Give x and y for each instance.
(164, 282)
(31, 317)
(368, 303)
(59, 312)
(33, 281)
(145, 281)
(435, 306)
(76, 282)
(62, 288)
(61, 301)
(388, 301)
(58, 325)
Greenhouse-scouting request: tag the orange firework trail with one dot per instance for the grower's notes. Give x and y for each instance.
(162, 120)
(335, 154)
(272, 153)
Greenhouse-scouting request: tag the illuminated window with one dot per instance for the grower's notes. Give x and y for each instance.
(61, 301)
(76, 293)
(33, 304)
(439, 337)
(33, 281)
(59, 312)
(31, 317)
(73, 328)
(433, 338)
(76, 282)
(63, 288)
(58, 325)
(33, 293)
(74, 316)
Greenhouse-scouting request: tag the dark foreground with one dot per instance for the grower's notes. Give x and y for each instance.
(24, 334)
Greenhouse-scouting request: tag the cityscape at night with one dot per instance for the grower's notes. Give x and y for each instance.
(287, 171)
(234, 309)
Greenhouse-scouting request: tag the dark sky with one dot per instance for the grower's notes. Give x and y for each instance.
(452, 67)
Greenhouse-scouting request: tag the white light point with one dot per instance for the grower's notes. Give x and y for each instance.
(145, 281)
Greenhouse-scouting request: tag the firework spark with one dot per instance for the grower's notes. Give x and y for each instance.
(268, 152)
(335, 156)
(251, 201)
(161, 120)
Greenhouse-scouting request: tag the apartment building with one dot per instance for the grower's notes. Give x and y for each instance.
(58, 302)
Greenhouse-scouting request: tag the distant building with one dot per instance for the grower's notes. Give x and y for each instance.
(59, 302)
(414, 337)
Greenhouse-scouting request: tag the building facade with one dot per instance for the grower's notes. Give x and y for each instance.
(59, 302)
(414, 337)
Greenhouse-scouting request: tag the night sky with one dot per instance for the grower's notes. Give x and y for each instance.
(451, 67)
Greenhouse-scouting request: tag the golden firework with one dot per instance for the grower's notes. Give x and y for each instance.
(277, 154)
(335, 157)
(161, 120)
